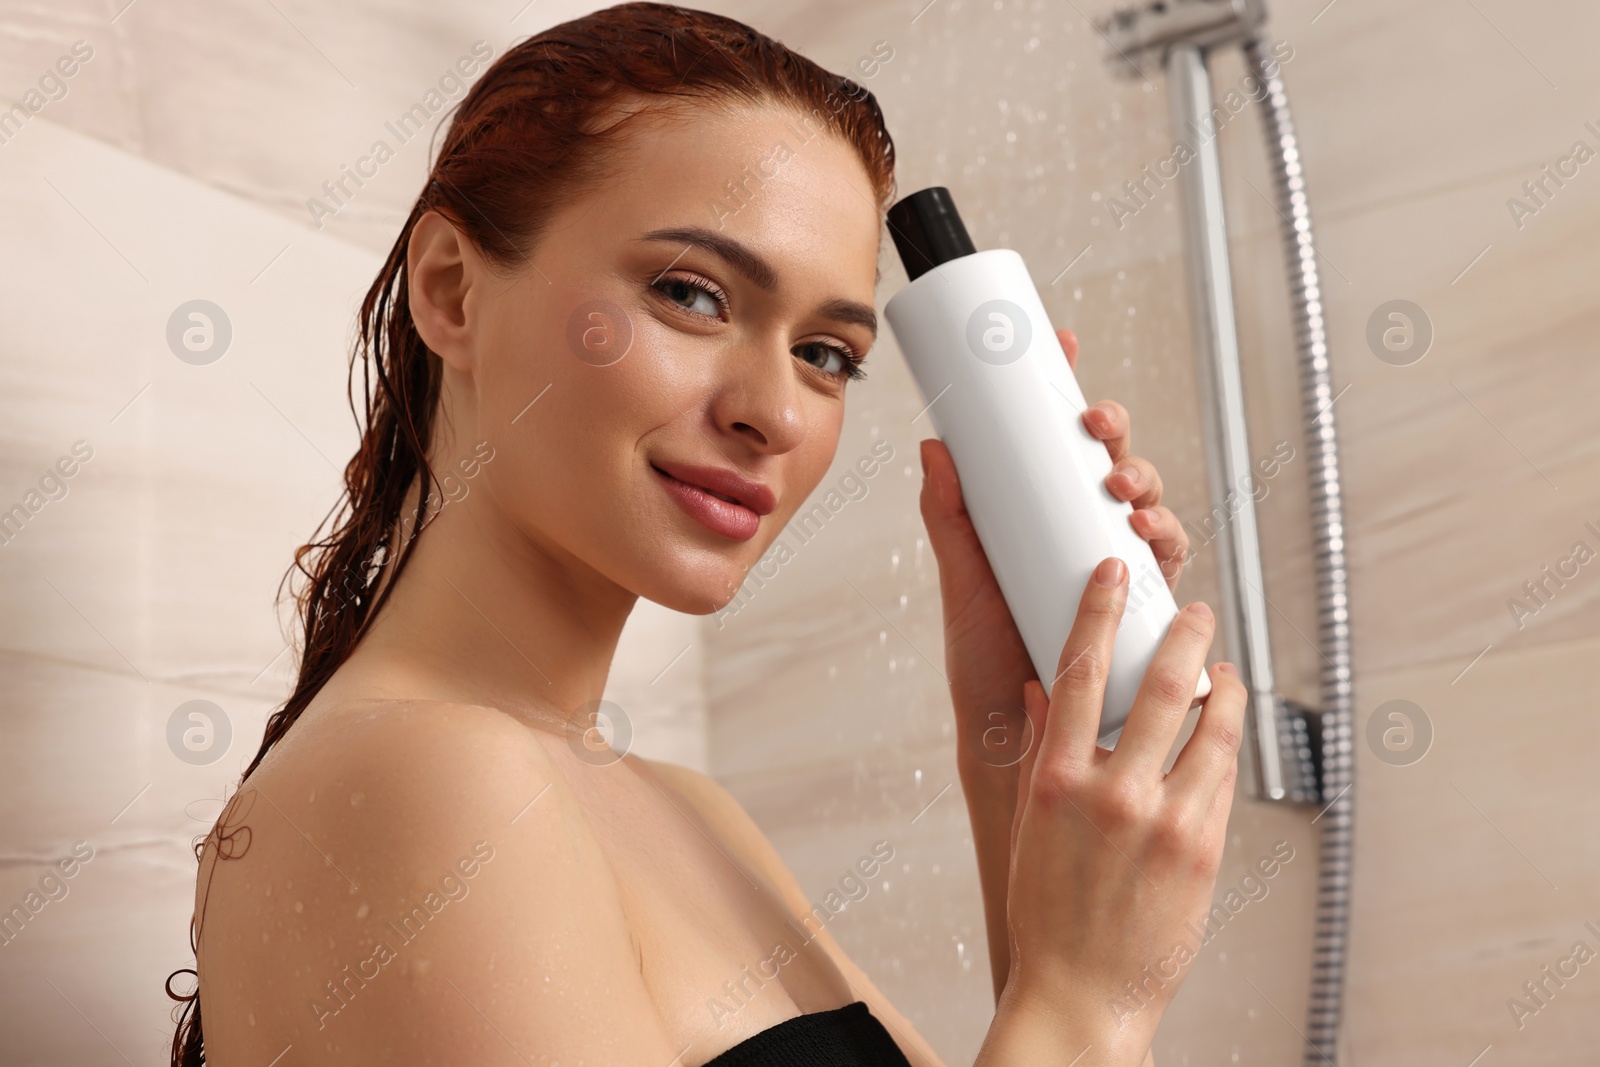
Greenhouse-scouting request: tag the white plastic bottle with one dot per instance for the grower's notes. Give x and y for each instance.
(1004, 400)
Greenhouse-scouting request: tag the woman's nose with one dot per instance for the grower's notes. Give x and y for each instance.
(759, 399)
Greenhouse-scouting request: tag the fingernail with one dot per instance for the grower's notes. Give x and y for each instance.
(1109, 572)
(1226, 668)
(922, 457)
(1199, 608)
(1128, 471)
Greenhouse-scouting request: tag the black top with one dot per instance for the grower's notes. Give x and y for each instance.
(850, 1036)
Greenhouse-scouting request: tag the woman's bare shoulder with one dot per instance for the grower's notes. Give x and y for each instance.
(398, 874)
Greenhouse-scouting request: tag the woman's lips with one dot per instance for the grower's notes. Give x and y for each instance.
(721, 516)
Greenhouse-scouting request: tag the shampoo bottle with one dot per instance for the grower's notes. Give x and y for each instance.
(1004, 400)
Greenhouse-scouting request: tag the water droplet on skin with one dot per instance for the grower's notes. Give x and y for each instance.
(299, 907)
(363, 911)
(251, 1016)
(356, 799)
(268, 892)
(312, 798)
(264, 937)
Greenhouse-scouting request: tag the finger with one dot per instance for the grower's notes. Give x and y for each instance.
(1214, 746)
(1136, 480)
(962, 565)
(1036, 705)
(1214, 829)
(1069, 345)
(1167, 538)
(1109, 421)
(1077, 693)
(1166, 692)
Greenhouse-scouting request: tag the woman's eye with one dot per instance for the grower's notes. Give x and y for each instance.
(690, 296)
(830, 359)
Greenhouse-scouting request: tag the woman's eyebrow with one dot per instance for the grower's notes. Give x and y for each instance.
(749, 263)
(851, 311)
(740, 257)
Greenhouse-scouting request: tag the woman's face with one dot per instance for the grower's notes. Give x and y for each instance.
(683, 332)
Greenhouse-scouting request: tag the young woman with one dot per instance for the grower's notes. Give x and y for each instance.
(631, 381)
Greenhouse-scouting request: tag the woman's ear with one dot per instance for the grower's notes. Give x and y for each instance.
(441, 267)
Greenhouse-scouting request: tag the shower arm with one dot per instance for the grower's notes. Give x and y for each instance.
(1244, 606)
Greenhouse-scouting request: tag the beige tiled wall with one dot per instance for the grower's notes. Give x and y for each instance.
(820, 702)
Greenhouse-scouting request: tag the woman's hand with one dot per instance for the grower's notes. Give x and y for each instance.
(985, 658)
(1112, 860)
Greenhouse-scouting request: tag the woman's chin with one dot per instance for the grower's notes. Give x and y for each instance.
(703, 593)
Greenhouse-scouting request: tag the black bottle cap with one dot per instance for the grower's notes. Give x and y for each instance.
(927, 231)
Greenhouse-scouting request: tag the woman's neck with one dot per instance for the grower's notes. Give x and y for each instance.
(482, 614)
